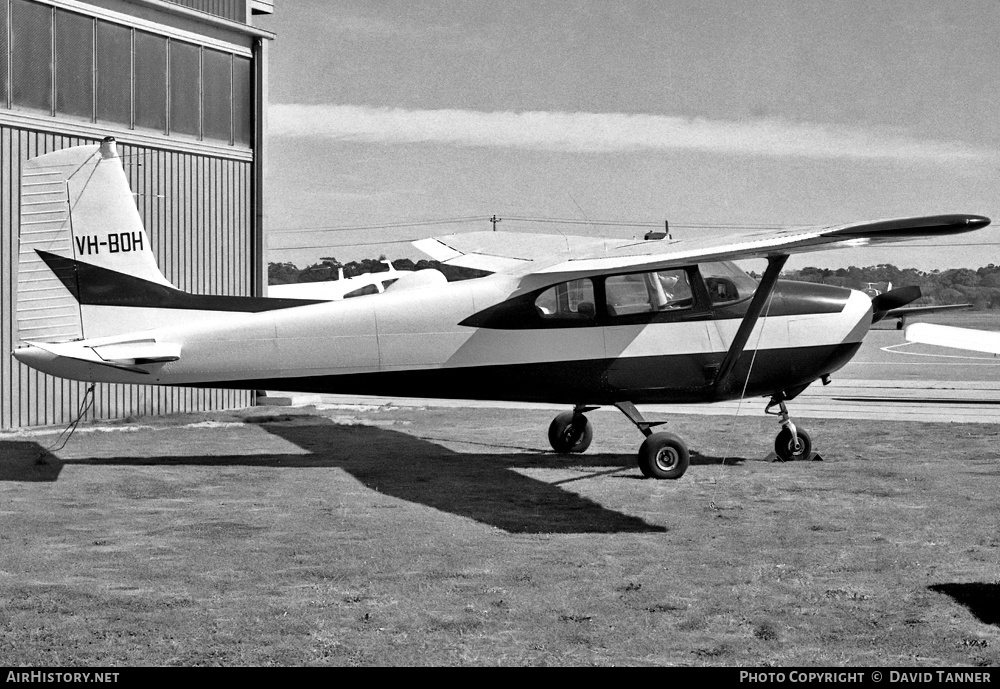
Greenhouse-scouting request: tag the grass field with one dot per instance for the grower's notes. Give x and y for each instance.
(452, 537)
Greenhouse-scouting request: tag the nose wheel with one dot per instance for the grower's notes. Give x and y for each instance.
(792, 442)
(790, 448)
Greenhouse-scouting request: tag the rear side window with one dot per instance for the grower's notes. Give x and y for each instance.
(572, 301)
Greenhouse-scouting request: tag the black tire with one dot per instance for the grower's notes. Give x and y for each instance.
(570, 433)
(784, 447)
(663, 455)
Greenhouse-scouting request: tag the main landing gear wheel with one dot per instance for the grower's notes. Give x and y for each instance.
(570, 433)
(663, 455)
(785, 448)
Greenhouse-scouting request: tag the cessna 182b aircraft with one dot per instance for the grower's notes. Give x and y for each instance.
(577, 320)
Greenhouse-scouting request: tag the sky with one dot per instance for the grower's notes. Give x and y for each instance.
(392, 120)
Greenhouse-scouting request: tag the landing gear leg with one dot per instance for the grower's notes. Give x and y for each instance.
(662, 455)
(571, 432)
(792, 442)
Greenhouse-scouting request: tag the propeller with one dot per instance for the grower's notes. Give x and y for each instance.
(894, 299)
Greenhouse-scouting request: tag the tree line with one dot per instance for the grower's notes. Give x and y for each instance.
(980, 287)
(329, 269)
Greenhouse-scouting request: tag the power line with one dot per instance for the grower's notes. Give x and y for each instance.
(658, 223)
(528, 219)
(384, 226)
(567, 221)
(337, 246)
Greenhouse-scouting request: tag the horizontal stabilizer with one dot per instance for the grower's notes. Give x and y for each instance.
(139, 352)
(124, 355)
(956, 338)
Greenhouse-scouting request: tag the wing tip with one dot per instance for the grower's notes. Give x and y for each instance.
(917, 227)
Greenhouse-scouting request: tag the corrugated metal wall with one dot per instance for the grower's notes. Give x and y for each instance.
(196, 210)
(236, 10)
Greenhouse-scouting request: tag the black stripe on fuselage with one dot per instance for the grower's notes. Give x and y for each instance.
(680, 378)
(790, 298)
(95, 286)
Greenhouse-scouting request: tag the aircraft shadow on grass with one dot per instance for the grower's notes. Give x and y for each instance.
(484, 487)
(982, 599)
(27, 461)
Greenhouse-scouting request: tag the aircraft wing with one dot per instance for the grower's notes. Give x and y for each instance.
(516, 252)
(509, 251)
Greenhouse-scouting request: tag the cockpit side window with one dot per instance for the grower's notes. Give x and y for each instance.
(651, 292)
(571, 301)
(726, 282)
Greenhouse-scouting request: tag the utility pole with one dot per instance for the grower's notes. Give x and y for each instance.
(495, 220)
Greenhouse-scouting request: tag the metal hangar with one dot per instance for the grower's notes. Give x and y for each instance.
(181, 85)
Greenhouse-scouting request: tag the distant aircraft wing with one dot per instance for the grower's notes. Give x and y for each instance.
(957, 338)
(335, 290)
(516, 252)
(923, 310)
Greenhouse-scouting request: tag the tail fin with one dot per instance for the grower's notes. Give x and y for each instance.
(77, 211)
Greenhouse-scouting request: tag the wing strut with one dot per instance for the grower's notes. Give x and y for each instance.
(760, 297)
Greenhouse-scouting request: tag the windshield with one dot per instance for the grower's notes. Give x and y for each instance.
(726, 282)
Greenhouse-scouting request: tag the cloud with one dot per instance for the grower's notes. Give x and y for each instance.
(444, 37)
(610, 132)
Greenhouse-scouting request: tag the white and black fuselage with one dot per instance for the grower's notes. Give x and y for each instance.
(475, 339)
